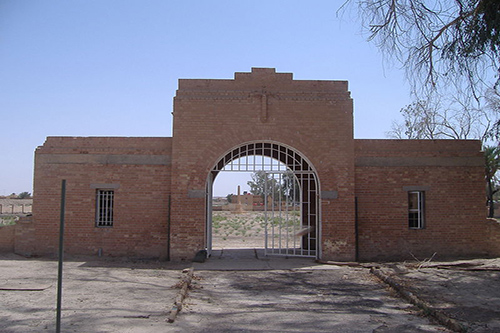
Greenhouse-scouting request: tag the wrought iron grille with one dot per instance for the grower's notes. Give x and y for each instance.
(104, 209)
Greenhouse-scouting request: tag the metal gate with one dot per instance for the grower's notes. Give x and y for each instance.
(290, 196)
(290, 221)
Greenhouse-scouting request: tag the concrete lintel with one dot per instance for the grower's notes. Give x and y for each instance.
(104, 159)
(105, 186)
(416, 188)
(452, 161)
(196, 194)
(329, 195)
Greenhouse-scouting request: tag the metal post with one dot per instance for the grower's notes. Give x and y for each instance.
(356, 229)
(168, 226)
(61, 251)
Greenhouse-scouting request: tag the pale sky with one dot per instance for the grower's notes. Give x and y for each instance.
(110, 68)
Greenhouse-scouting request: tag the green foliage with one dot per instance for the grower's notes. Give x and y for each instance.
(24, 195)
(450, 50)
(263, 184)
(280, 186)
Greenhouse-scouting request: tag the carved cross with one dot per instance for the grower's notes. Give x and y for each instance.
(263, 108)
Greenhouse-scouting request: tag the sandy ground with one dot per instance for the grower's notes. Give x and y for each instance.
(115, 295)
(98, 296)
(121, 296)
(467, 291)
(127, 296)
(245, 230)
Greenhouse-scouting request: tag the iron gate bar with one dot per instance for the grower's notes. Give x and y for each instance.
(293, 160)
(289, 234)
(279, 222)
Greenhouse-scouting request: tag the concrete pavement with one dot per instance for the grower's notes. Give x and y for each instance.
(253, 260)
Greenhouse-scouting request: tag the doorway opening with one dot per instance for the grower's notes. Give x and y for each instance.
(276, 210)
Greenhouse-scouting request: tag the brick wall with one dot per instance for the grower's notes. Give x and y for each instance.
(25, 242)
(7, 238)
(450, 172)
(138, 169)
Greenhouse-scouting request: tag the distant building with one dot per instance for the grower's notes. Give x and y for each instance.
(248, 199)
(15, 206)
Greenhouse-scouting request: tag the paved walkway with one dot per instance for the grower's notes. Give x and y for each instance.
(252, 260)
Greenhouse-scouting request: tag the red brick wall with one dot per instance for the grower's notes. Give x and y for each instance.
(451, 173)
(138, 167)
(213, 116)
(25, 242)
(7, 238)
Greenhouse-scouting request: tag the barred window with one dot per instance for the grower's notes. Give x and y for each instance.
(416, 205)
(104, 209)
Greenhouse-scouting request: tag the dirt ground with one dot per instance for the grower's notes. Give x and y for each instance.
(467, 291)
(302, 300)
(118, 295)
(230, 231)
(244, 230)
(98, 296)
(122, 296)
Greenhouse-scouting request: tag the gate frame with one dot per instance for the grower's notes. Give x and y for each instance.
(212, 174)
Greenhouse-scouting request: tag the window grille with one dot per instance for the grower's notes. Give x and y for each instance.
(416, 200)
(104, 209)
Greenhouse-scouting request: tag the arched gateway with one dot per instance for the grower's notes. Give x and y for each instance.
(270, 114)
(358, 199)
(291, 203)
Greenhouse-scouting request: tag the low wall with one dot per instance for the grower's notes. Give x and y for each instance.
(24, 243)
(18, 238)
(7, 233)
